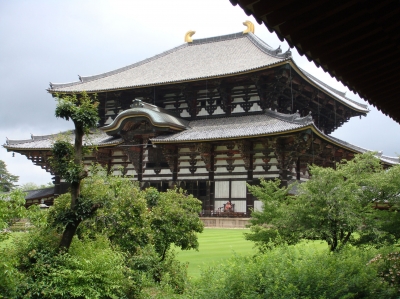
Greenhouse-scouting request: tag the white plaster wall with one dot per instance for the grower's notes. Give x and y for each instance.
(238, 189)
(240, 205)
(222, 189)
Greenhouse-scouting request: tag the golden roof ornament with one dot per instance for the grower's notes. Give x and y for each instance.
(188, 36)
(250, 27)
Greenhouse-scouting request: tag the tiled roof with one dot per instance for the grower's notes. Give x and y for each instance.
(203, 58)
(97, 137)
(235, 127)
(159, 117)
(39, 193)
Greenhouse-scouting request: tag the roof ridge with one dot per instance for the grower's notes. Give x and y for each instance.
(379, 154)
(341, 93)
(293, 118)
(267, 49)
(84, 79)
(36, 137)
(218, 38)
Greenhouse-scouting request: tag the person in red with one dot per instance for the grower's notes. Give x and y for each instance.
(228, 206)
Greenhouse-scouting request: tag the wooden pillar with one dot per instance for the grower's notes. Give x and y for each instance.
(175, 165)
(249, 196)
(140, 162)
(298, 169)
(210, 202)
(57, 186)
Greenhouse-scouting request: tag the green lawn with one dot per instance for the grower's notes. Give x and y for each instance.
(215, 246)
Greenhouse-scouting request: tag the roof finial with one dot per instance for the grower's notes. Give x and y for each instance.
(250, 27)
(188, 36)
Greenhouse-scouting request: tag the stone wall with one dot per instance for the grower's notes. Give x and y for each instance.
(225, 222)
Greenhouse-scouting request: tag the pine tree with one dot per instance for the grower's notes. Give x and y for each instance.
(7, 180)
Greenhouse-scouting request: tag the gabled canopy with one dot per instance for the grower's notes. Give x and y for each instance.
(159, 118)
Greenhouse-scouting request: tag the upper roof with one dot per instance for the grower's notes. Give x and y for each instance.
(357, 42)
(203, 58)
(212, 57)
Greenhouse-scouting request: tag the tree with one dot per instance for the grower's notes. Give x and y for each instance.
(331, 206)
(11, 208)
(7, 180)
(67, 159)
(175, 220)
(32, 186)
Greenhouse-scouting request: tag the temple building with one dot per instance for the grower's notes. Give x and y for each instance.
(210, 116)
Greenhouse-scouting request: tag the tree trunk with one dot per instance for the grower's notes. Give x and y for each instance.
(71, 227)
(68, 235)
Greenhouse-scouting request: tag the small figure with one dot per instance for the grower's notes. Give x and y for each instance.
(228, 206)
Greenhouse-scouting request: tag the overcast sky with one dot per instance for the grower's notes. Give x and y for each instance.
(55, 41)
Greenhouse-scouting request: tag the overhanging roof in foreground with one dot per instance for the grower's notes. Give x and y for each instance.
(357, 42)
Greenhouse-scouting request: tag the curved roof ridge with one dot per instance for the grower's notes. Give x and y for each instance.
(36, 137)
(217, 38)
(293, 118)
(267, 49)
(84, 79)
(341, 93)
(379, 155)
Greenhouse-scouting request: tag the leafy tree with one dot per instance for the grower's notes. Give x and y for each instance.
(67, 159)
(175, 220)
(7, 180)
(11, 209)
(331, 206)
(32, 186)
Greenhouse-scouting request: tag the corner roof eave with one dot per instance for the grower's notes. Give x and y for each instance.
(352, 105)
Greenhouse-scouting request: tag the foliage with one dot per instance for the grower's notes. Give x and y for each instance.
(7, 180)
(63, 161)
(81, 109)
(332, 206)
(11, 209)
(293, 272)
(144, 234)
(90, 269)
(388, 268)
(10, 277)
(175, 220)
(67, 160)
(32, 186)
(37, 216)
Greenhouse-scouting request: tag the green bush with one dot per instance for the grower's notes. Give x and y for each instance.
(291, 272)
(9, 275)
(169, 274)
(91, 269)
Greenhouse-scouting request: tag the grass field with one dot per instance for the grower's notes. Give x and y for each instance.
(215, 246)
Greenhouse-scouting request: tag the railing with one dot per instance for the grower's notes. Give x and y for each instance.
(221, 213)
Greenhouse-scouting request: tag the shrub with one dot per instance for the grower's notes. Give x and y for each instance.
(90, 269)
(290, 272)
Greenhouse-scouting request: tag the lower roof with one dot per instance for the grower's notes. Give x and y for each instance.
(270, 123)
